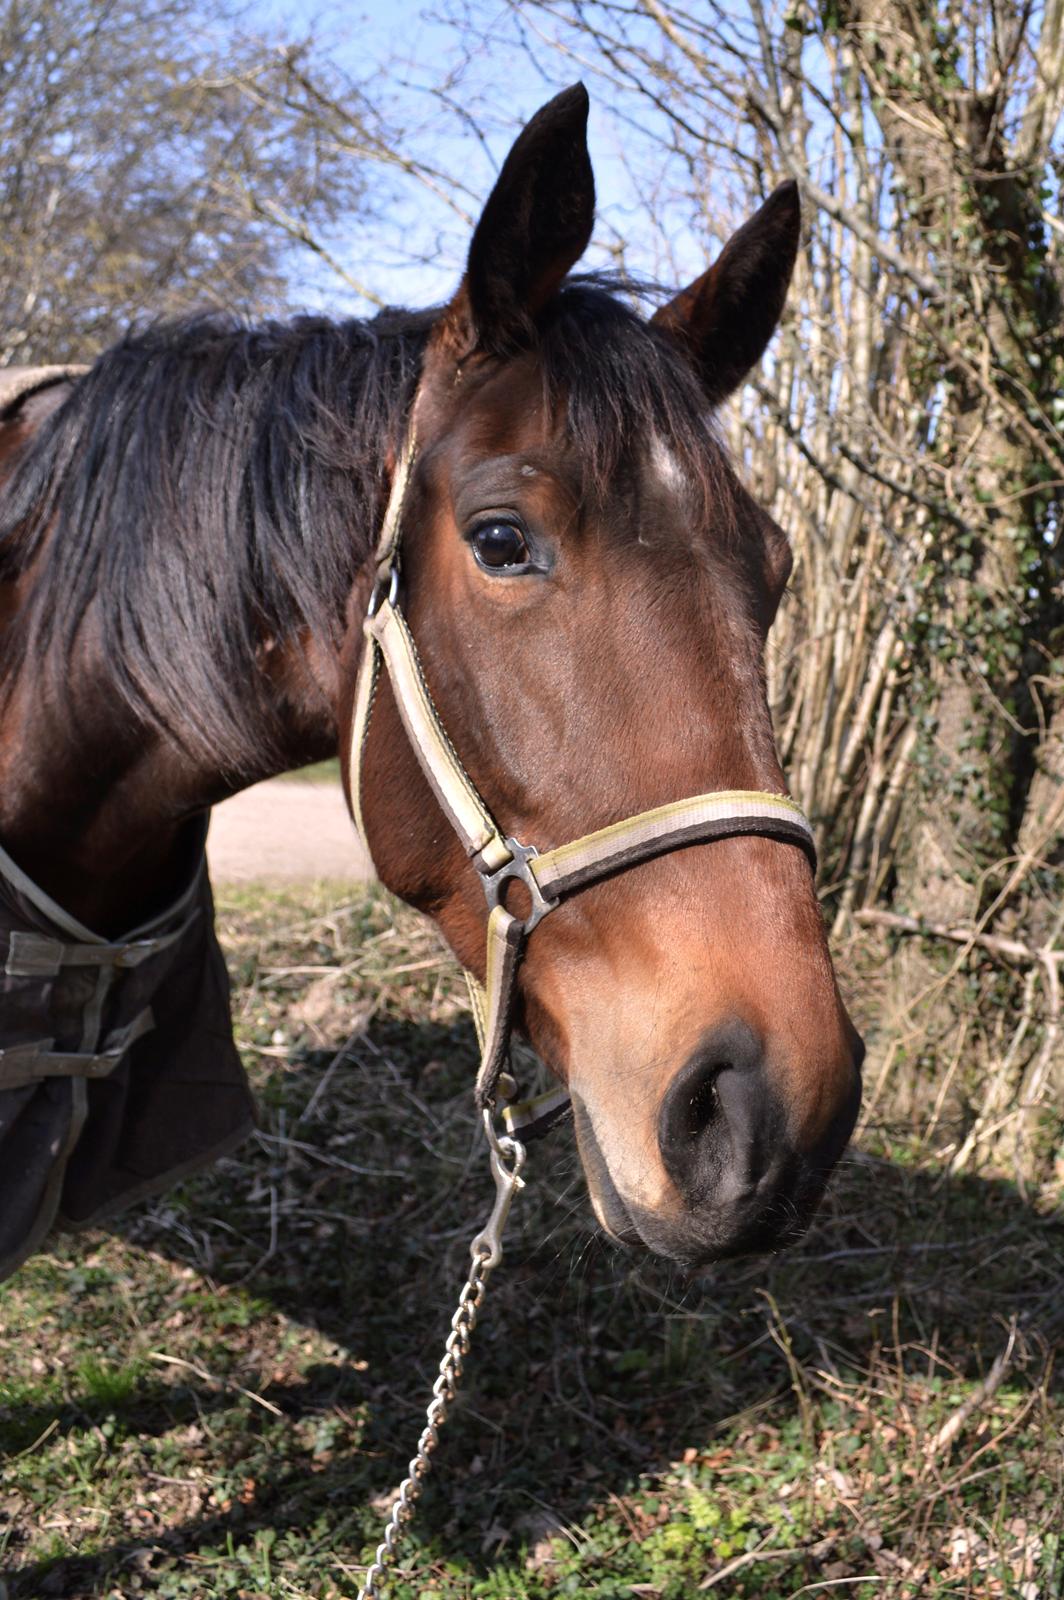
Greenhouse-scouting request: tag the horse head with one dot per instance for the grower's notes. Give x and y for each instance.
(590, 588)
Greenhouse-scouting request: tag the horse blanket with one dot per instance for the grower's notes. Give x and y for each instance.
(118, 1071)
(18, 383)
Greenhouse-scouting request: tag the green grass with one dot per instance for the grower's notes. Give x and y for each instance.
(215, 1398)
(318, 772)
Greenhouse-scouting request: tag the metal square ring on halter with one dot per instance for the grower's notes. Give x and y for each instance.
(518, 869)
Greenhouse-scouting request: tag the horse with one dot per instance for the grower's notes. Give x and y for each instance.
(189, 546)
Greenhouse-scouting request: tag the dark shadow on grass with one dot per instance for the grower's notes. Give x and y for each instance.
(589, 1366)
(156, 1408)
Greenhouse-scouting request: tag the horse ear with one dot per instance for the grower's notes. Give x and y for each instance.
(534, 228)
(729, 314)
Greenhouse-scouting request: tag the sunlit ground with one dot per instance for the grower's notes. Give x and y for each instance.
(217, 1398)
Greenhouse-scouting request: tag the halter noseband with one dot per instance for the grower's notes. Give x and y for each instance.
(548, 876)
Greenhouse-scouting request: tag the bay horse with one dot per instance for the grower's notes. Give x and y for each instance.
(187, 532)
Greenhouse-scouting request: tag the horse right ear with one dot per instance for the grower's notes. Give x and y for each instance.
(534, 228)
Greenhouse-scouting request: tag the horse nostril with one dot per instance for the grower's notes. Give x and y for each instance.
(714, 1118)
(697, 1106)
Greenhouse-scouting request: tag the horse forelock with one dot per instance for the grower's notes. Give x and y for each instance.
(625, 388)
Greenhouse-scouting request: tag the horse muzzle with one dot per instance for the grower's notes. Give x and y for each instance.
(733, 1176)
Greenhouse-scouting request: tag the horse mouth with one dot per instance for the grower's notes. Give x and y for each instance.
(761, 1226)
(613, 1215)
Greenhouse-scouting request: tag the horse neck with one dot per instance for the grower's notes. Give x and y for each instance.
(97, 809)
(93, 806)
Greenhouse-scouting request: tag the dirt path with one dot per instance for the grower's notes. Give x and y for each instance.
(285, 831)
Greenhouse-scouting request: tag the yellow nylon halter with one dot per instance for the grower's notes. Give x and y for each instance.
(550, 875)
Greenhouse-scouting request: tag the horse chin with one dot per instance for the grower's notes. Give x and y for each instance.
(702, 1242)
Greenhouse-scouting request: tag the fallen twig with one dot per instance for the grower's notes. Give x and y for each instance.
(209, 1377)
(943, 1438)
(759, 1553)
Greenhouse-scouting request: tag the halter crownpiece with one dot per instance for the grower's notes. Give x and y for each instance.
(549, 875)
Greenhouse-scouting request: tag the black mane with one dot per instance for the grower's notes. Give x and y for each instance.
(210, 486)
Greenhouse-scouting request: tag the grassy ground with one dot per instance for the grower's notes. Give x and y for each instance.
(216, 1398)
(318, 772)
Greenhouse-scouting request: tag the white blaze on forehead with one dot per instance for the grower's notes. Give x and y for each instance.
(665, 465)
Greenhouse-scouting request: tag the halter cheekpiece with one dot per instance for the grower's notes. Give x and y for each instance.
(549, 876)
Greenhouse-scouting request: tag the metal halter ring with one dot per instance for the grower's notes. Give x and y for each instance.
(387, 583)
(518, 867)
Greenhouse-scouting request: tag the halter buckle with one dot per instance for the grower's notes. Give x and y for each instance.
(517, 867)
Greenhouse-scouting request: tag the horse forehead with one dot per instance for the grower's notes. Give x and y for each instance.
(501, 409)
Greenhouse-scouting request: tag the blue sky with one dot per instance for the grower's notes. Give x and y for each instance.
(399, 46)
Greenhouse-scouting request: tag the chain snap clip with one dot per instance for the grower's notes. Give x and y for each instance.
(487, 1246)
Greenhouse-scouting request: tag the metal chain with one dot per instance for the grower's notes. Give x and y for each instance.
(507, 1159)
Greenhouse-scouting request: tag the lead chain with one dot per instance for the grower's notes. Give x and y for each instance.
(486, 1252)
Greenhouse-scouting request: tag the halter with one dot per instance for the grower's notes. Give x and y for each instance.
(550, 875)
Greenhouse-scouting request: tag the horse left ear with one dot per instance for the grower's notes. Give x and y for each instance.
(729, 314)
(534, 228)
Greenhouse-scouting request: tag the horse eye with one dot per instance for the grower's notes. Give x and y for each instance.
(499, 544)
